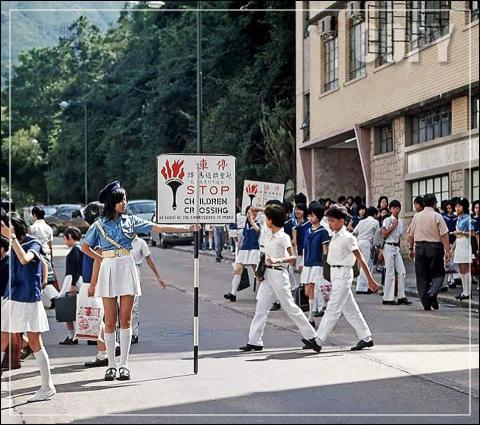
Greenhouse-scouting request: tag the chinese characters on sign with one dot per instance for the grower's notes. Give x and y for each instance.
(196, 188)
(257, 193)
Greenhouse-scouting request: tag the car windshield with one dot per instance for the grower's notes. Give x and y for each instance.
(142, 207)
(50, 211)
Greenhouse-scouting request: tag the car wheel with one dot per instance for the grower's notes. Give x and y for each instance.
(153, 242)
(55, 230)
(164, 244)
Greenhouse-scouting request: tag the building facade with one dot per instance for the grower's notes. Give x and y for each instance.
(387, 99)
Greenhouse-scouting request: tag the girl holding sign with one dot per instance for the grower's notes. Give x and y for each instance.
(118, 277)
(249, 253)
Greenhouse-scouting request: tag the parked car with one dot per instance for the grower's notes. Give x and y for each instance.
(167, 240)
(66, 215)
(144, 208)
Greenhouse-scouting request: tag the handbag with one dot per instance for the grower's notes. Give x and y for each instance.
(89, 315)
(261, 268)
(244, 281)
(66, 308)
(301, 299)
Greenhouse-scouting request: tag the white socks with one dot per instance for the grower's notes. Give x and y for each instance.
(110, 347)
(125, 342)
(210, 244)
(43, 364)
(310, 309)
(235, 283)
(3, 355)
(466, 284)
(101, 355)
(71, 334)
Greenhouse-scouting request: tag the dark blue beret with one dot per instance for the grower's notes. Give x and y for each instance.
(107, 191)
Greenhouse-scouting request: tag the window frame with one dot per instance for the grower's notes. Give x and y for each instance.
(385, 33)
(357, 67)
(422, 125)
(422, 185)
(331, 64)
(382, 143)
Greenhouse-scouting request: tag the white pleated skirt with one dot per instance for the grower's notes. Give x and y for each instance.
(311, 274)
(18, 317)
(248, 257)
(118, 276)
(463, 250)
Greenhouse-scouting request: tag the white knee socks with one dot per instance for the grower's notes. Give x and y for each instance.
(310, 309)
(3, 355)
(125, 342)
(43, 364)
(235, 283)
(110, 347)
(466, 283)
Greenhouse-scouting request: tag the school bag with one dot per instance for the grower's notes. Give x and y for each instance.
(300, 298)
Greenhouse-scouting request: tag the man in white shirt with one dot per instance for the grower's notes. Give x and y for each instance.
(343, 253)
(42, 231)
(365, 231)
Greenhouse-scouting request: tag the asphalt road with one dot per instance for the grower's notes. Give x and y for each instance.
(423, 369)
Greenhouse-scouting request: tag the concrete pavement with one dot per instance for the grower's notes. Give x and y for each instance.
(422, 370)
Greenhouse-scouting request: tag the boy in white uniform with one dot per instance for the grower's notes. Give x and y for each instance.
(343, 253)
(276, 285)
(392, 232)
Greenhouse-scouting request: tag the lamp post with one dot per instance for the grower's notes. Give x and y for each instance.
(65, 104)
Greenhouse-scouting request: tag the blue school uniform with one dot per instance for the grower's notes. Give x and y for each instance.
(355, 220)
(122, 230)
(26, 280)
(451, 222)
(288, 226)
(250, 238)
(464, 223)
(313, 246)
(476, 224)
(87, 268)
(4, 274)
(301, 231)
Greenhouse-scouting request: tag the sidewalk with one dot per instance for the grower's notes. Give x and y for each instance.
(410, 281)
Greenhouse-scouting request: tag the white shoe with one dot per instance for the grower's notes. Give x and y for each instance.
(42, 394)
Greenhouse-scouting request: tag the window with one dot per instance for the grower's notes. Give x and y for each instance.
(438, 185)
(331, 64)
(357, 49)
(431, 124)
(473, 6)
(426, 21)
(306, 117)
(383, 139)
(475, 185)
(385, 32)
(474, 112)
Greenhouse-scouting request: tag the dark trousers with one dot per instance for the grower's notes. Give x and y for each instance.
(429, 270)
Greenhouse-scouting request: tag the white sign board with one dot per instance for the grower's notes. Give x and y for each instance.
(257, 193)
(195, 189)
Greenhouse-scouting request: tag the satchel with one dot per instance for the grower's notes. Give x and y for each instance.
(66, 308)
(301, 299)
(261, 267)
(244, 281)
(327, 271)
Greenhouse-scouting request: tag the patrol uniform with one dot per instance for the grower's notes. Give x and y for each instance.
(463, 251)
(341, 260)
(393, 260)
(365, 232)
(249, 253)
(276, 286)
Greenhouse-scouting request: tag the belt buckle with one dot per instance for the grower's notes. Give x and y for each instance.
(116, 252)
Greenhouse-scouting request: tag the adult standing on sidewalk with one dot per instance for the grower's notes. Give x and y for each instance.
(42, 231)
(429, 246)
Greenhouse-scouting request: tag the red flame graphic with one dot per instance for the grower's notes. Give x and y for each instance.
(175, 171)
(251, 189)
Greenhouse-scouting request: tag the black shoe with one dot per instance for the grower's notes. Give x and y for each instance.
(389, 303)
(462, 297)
(276, 306)
(458, 281)
(452, 285)
(311, 344)
(433, 301)
(427, 308)
(312, 323)
(91, 342)
(444, 289)
(381, 294)
(117, 351)
(218, 259)
(68, 341)
(96, 363)
(110, 374)
(317, 314)
(52, 304)
(322, 312)
(134, 339)
(231, 297)
(123, 374)
(26, 351)
(361, 345)
(250, 347)
(404, 301)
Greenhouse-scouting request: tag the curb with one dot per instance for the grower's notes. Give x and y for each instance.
(409, 291)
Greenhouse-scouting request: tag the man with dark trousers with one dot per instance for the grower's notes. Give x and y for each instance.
(429, 246)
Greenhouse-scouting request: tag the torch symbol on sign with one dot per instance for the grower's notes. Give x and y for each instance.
(252, 191)
(173, 175)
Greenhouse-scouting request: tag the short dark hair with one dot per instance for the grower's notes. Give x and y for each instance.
(318, 210)
(341, 199)
(117, 196)
(464, 203)
(371, 211)
(287, 206)
(395, 203)
(304, 208)
(38, 212)
(361, 207)
(19, 225)
(444, 204)
(430, 200)
(73, 233)
(380, 199)
(337, 212)
(300, 198)
(276, 214)
(274, 202)
(419, 200)
(92, 212)
(474, 203)
(358, 200)
(8, 205)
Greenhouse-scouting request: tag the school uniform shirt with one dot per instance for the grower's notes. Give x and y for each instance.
(74, 262)
(122, 230)
(464, 223)
(26, 280)
(366, 229)
(87, 268)
(4, 274)
(276, 245)
(355, 220)
(288, 227)
(250, 238)
(313, 246)
(301, 231)
(397, 233)
(44, 234)
(476, 224)
(324, 224)
(340, 250)
(451, 222)
(140, 251)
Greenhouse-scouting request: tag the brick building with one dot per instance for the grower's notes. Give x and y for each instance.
(387, 99)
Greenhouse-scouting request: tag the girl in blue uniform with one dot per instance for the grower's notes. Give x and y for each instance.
(315, 245)
(118, 277)
(476, 223)
(249, 253)
(463, 247)
(22, 308)
(450, 219)
(298, 236)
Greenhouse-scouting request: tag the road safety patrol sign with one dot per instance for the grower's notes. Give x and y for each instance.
(195, 188)
(257, 193)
